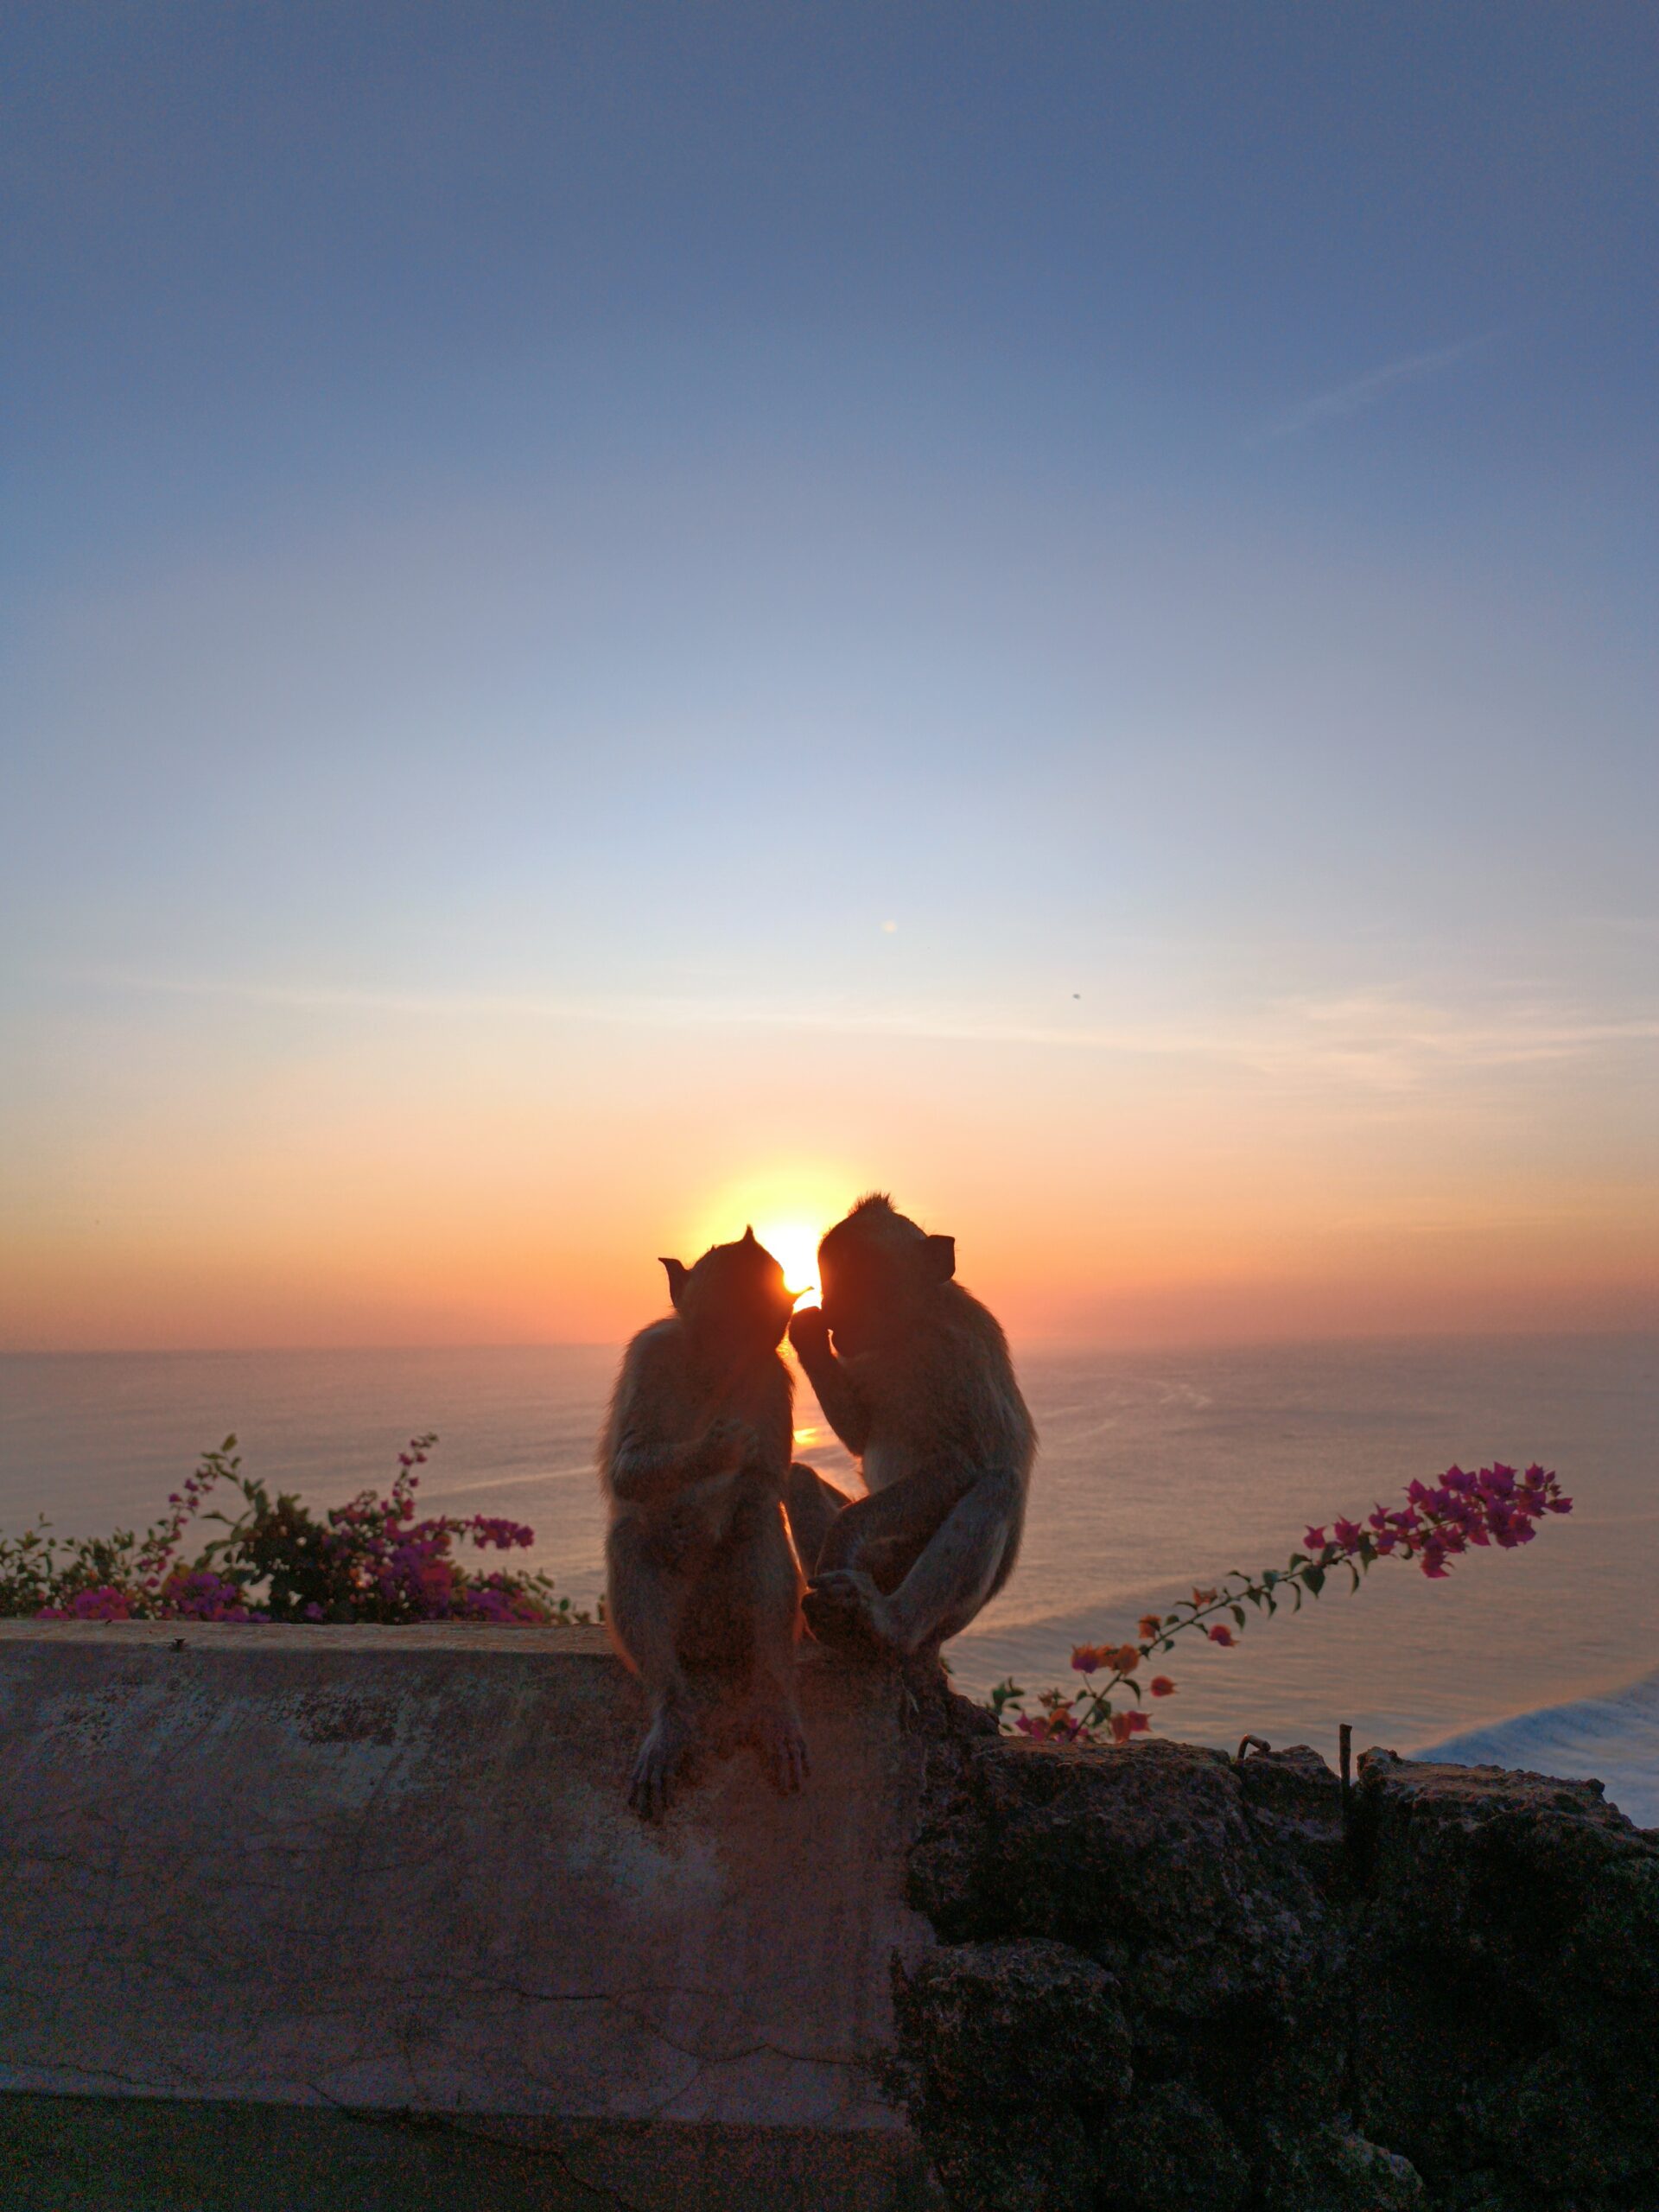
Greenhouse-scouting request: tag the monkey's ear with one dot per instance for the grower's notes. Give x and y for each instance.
(678, 1271)
(941, 1258)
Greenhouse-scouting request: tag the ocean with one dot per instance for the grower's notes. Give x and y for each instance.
(1157, 1471)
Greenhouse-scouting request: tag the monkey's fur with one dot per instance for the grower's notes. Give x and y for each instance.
(919, 1386)
(694, 1461)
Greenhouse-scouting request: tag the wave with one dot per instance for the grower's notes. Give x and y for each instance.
(1613, 1740)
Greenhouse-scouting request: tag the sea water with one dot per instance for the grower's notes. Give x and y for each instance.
(1158, 1471)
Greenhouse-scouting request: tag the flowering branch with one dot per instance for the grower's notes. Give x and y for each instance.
(1494, 1506)
(369, 1559)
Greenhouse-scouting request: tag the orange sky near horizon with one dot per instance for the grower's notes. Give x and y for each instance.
(417, 1176)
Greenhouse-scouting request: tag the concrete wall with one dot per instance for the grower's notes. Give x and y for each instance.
(391, 1870)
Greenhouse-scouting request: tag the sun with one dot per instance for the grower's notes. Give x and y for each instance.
(794, 1245)
(791, 1202)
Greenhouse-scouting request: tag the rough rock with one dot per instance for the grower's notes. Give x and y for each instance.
(1449, 2002)
(1012, 2159)
(1171, 2149)
(1332, 2170)
(1146, 1858)
(1512, 1925)
(1025, 2022)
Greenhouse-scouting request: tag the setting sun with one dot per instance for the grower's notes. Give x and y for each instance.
(795, 1247)
(790, 1203)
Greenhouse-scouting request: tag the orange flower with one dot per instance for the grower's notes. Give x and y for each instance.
(1161, 1686)
(1086, 1657)
(1149, 1627)
(1205, 1597)
(1125, 1659)
(1125, 1724)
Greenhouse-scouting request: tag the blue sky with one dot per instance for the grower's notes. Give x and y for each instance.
(527, 527)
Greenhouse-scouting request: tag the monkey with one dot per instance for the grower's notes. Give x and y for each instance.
(694, 1459)
(918, 1385)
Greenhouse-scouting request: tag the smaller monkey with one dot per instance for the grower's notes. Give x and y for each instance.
(694, 1461)
(917, 1383)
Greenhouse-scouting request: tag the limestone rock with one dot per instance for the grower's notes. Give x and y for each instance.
(1027, 2021)
(1144, 1857)
(1451, 2005)
(1170, 2152)
(1015, 2158)
(1331, 2169)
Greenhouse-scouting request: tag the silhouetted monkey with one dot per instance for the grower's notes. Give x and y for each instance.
(694, 1461)
(919, 1386)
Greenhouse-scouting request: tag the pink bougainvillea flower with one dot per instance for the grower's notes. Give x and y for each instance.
(1438, 1522)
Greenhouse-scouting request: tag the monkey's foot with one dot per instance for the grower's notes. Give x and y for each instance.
(657, 1763)
(775, 1728)
(843, 1608)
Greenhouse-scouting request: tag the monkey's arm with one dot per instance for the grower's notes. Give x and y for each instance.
(650, 1457)
(648, 1470)
(839, 1395)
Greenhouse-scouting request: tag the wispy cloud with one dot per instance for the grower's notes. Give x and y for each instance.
(1375, 1041)
(1365, 391)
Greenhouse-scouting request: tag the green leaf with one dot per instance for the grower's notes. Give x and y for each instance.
(1314, 1578)
(1237, 1612)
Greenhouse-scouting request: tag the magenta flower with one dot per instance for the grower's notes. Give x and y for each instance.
(1437, 1523)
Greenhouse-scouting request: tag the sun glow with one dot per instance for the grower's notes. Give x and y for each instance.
(794, 1245)
(790, 1203)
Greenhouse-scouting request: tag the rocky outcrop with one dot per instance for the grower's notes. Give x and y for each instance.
(1169, 1979)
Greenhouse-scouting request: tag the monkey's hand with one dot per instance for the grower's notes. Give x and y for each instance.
(844, 1608)
(723, 1447)
(809, 1333)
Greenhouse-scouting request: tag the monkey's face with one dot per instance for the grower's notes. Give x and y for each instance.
(881, 1274)
(735, 1297)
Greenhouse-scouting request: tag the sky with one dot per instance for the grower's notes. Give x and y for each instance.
(617, 620)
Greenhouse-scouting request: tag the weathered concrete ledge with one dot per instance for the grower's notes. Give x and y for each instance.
(314, 1920)
(390, 1873)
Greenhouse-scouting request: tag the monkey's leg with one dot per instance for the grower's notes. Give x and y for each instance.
(774, 1588)
(959, 1568)
(645, 1604)
(888, 1529)
(812, 1504)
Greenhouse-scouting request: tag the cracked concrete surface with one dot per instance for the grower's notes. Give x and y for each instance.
(392, 1869)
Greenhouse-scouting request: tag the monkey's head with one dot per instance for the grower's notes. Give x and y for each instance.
(734, 1300)
(882, 1272)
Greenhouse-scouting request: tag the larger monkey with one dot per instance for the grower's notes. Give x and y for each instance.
(919, 1386)
(694, 1461)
